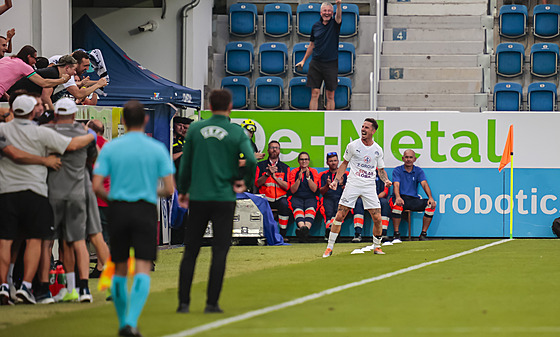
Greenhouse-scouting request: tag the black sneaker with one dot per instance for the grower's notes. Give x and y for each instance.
(304, 232)
(423, 237)
(327, 233)
(129, 331)
(357, 238)
(183, 308)
(95, 273)
(25, 295)
(5, 296)
(213, 309)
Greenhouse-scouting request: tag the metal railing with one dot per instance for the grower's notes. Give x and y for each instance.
(375, 75)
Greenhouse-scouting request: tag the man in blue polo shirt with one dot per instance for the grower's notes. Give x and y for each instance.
(323, 48)
(135, 163)
(405, 194)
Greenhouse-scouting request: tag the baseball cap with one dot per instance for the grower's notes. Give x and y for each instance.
(65, 60)
(23, 105)
(65, 106)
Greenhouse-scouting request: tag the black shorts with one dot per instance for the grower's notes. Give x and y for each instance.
(25, 214)
(132, 224)
(323, 71)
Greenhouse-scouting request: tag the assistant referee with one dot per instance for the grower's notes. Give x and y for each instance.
(209, 177)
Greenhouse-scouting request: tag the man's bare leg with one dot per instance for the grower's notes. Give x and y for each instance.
(335, 228)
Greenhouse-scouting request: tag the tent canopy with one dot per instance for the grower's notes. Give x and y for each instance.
(128, 79)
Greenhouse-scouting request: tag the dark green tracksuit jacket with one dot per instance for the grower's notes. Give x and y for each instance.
(210, 161)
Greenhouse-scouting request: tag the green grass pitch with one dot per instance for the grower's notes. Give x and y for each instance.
(511, 289)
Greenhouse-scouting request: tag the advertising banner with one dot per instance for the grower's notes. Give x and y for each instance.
(460, 153)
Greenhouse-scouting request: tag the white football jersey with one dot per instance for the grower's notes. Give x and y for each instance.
(363, 161)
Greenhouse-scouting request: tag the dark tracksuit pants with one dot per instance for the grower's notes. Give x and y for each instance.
(200, 212)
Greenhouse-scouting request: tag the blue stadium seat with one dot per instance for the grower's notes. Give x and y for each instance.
(277, 20)
(545, 21)
(243, 19)
(346, 58)
(307, 15)
(239, 87)
(269, 91)
(273, 58)
(239, 58)
(299, 93)
(513, 21)
(541, 96)
(544, 59)
(298, 52)
(350, 20)
(509, 59)
(342, 94)
(508, 96)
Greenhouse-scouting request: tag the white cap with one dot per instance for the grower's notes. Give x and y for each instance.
(23, 105)
(65, 106)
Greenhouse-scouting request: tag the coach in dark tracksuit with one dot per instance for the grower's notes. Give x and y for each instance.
(209, 177)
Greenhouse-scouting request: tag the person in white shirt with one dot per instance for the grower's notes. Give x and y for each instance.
(363, 156)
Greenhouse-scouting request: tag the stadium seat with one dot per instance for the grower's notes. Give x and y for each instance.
(342, 94)
(513, 21)
(350, 20)
(273, 58)
(541, 96)
(509, 59)
(277, 20)
(346, 58)
(507, 96)
(239, 87)
(307, 15)
(298, 53)
(269, 91)
(239, 58)
(299, 93)
(545, 21)
(544, 59)
(243, 19)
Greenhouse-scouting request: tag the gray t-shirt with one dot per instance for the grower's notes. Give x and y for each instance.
(29, 137)
(68, 182)
(3, 143)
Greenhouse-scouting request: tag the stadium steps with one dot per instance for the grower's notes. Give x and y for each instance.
(434, 56)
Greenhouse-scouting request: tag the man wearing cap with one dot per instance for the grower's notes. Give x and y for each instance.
(71, 87)
(24, 185)
(65, 65)
(67, 196)
(180, 127)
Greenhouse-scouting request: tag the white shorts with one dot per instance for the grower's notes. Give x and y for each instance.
(352, 193)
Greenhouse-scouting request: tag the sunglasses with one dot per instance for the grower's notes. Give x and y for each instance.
(332, 154)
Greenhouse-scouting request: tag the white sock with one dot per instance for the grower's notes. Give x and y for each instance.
(376, 242)
(27, 284)
(11, 274)
(332, 240)
(70, 281)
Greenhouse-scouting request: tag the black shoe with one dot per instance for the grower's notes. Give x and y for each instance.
(423, 237)
(357, 238)
(183, 308)
(284, 233)
(304, 233)
(327, 233)
(130, 332)
(95, 273)
(213, 309)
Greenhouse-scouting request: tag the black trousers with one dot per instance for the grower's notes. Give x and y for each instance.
(221, 215)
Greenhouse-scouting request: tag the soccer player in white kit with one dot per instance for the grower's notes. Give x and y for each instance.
(364, 156)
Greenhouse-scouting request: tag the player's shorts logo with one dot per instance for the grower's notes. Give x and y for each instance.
(367, 159)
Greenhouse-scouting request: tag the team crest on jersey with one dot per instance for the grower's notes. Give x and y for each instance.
(213, 131)
(377, 153)
(367, 159)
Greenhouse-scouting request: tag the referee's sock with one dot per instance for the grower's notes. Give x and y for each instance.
(138, 296)
(120, 298)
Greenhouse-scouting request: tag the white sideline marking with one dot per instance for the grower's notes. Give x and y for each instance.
(254, 313)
